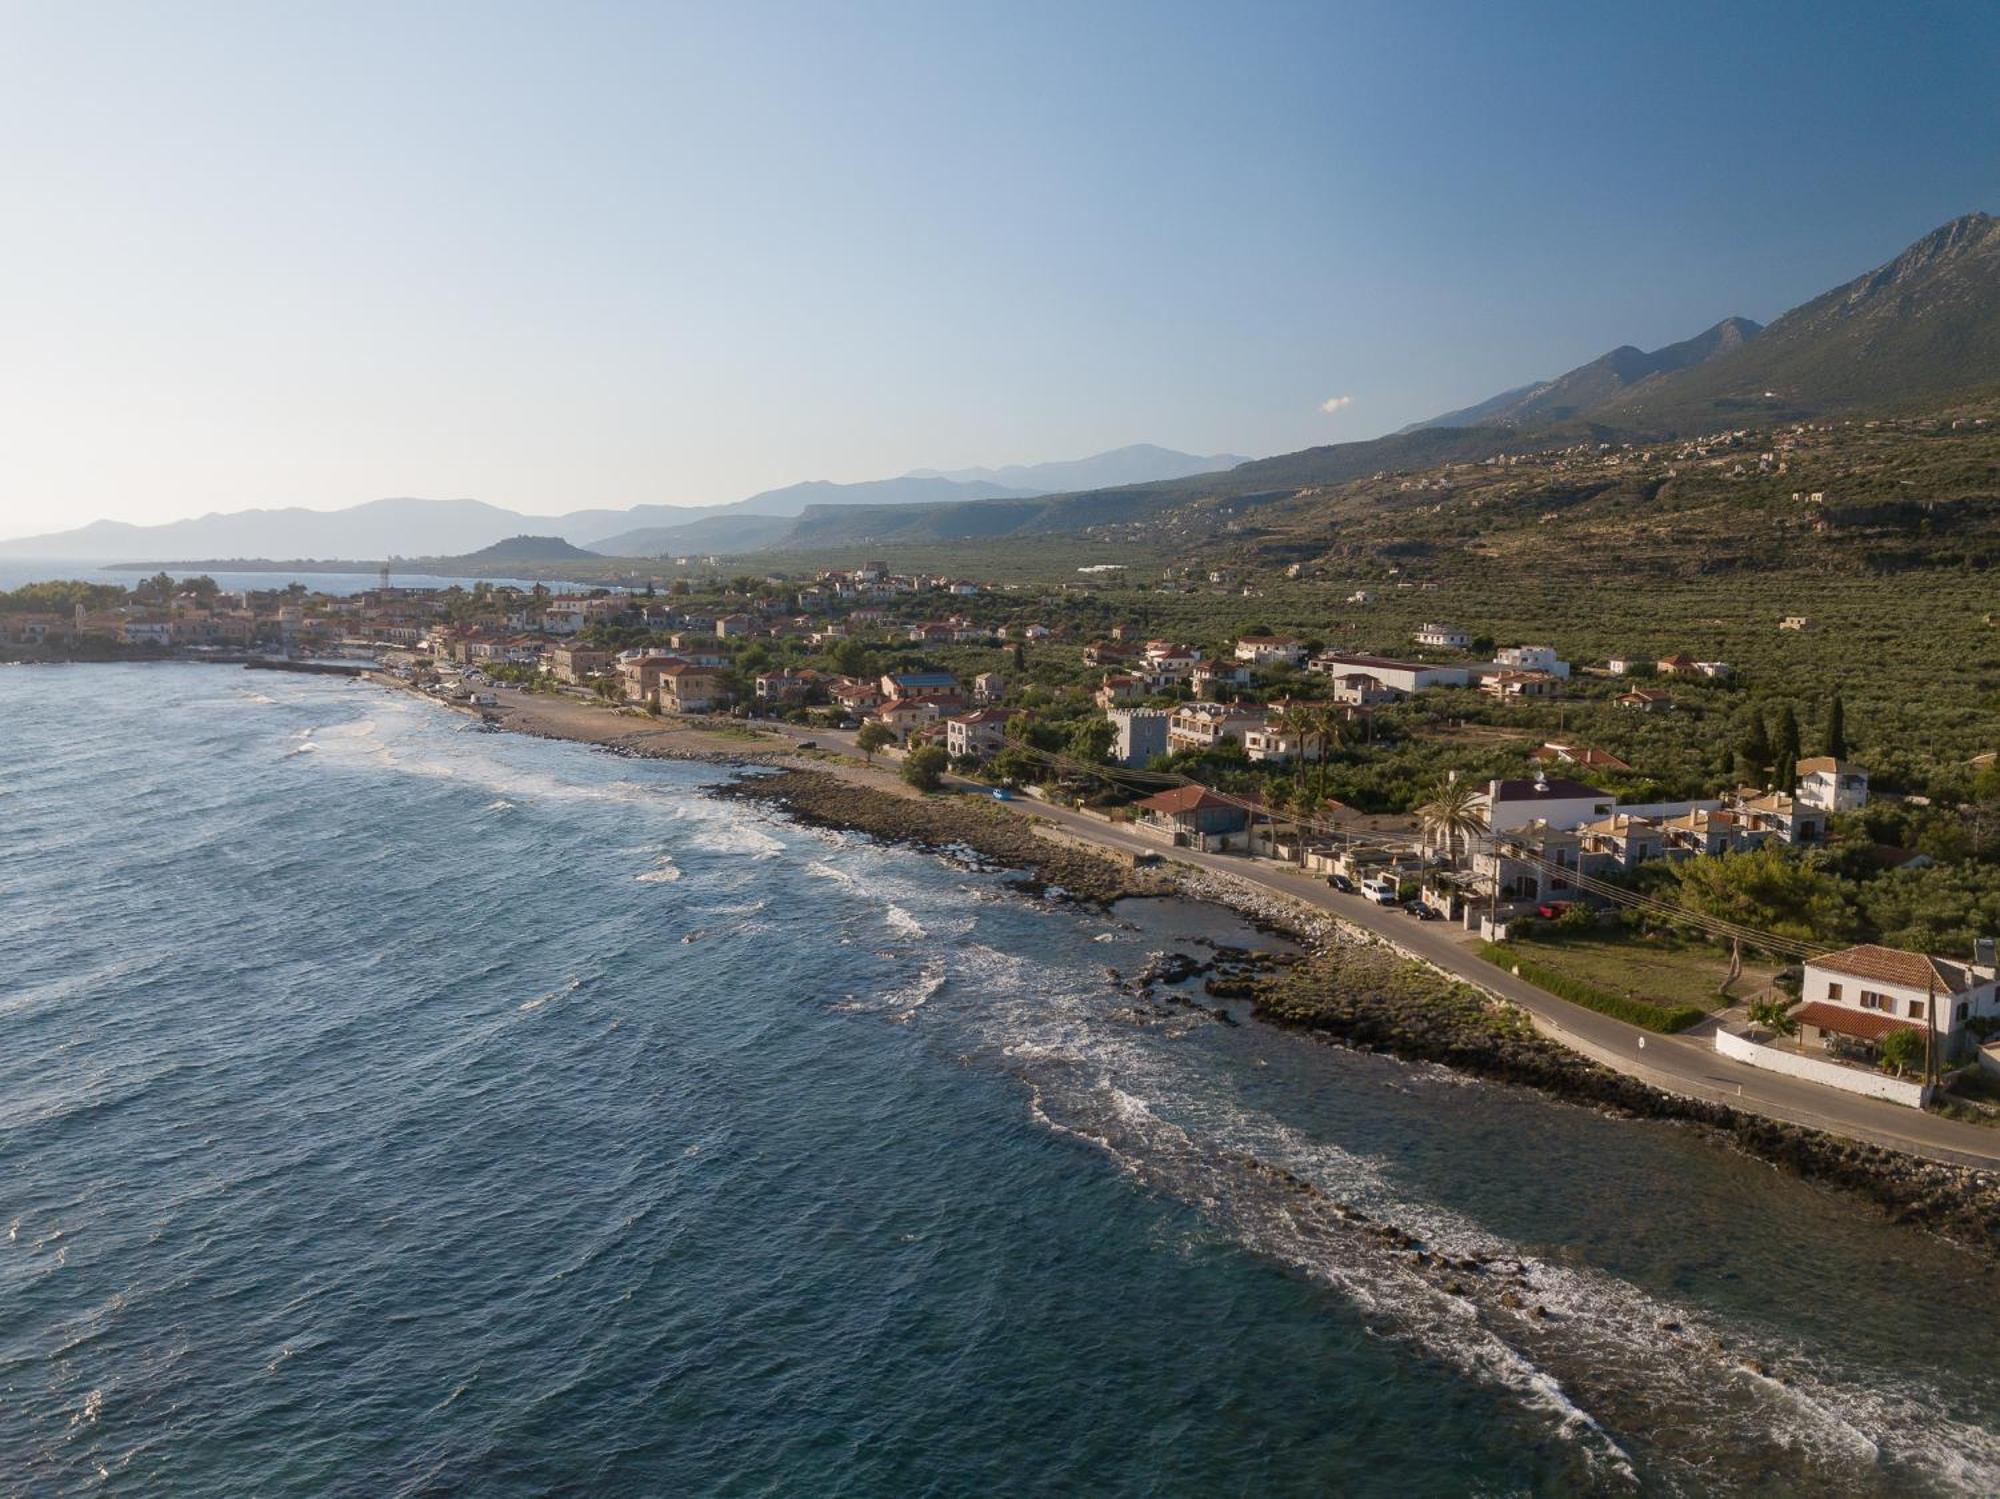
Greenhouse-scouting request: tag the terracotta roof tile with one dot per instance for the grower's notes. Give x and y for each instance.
(1860, 1024)
(1891, 965)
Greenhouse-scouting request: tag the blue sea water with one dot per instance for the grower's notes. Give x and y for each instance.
(390, 1108)
(17, 571)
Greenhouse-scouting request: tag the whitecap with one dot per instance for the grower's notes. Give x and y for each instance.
(574, 983)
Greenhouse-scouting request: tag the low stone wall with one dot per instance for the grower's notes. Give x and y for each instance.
(1829, 1074)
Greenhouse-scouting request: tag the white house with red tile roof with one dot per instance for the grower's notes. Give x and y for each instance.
(1271, 650)
(979, 734)
(1861, 993)
(1832, 785)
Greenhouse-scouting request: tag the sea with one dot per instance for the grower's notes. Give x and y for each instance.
(393, 1108)
(18, 571)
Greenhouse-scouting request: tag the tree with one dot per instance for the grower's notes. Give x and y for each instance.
(924, 766)
(1092, 740)
(1765, 889)
(1835, 737)
(1785, 749)
(1753, 751)
(850, 658)
(1774, 1015)
(1451, 816)
(874, 735)
(1900, 1050)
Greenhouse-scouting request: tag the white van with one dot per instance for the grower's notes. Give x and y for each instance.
(1381, 888)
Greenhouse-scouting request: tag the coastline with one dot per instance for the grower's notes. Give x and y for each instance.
(1349, 988)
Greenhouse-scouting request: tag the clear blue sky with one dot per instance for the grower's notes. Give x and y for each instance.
(596, 254)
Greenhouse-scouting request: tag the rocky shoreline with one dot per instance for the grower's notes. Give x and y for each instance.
(1364, 995)
(1345, 988)
(959, 825)
(1361, 993)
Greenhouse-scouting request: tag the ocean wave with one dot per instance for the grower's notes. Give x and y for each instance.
(568, 987)
(1606, 1364)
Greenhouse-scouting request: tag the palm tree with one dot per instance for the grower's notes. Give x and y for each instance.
(1451, 816)
(1300, 722)
(1327, 730)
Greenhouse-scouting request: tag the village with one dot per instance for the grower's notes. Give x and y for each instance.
(1555, 858)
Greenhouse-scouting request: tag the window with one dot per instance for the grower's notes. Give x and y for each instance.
(1961, 1012)
(1833, 992)
(1870, 1000)
(1916, 1009)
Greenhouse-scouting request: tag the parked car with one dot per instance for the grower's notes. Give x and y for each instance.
(1002, 794)
(1341, 883)
(1419, 910)
(805, 744)
(1383, 891)
(1549, 910)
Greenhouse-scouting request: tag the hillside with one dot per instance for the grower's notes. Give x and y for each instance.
(1585, 389)
(519, 549)
(1851, 496)
(1140, 463)
(1921, 327)
(1922, 330)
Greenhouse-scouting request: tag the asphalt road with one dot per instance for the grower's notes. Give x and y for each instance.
(1686, 1064)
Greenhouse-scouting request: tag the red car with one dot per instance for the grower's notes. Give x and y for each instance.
(1550, 910)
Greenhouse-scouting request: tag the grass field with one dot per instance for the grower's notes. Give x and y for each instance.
(1653, 970)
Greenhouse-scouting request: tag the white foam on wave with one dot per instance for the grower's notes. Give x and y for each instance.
(902, 922)
(664, 872)
(570, 986)
(1606, 1353)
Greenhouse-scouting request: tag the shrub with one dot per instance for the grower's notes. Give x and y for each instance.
(1665, 1018)
(924, 767)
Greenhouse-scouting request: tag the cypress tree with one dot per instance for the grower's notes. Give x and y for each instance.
(1836, 727)
(1753, 754)
(1785, 750)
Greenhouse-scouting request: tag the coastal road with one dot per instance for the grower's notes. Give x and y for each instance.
(1687, 1064)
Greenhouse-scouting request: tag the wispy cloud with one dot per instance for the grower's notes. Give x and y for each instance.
(1335, 403)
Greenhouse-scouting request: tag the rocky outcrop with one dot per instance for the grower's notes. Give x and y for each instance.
(1365, 995)
(953, 826)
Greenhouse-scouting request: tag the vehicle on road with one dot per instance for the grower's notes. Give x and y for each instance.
(1341, 883)
(1549, 910)
(1002, 794)
(806, 744)
(1419, 910)
(1384, 890)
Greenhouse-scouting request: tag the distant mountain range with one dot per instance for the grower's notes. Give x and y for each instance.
(1139, 464)
(1922, 328)
(1927, 324)
(436, 528)
(1589, 386)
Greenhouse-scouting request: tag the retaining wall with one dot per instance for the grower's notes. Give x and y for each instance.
(1829, 1074)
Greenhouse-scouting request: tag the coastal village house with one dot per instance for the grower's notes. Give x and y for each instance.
(1830, 785)
(908, 684)
(1194, 817)
(687, 688)
(1855, 997)
(1539, 658)
(980, 734)
(1271, 650)
(1442, 637)
(1202, 726)
(574, 663)
(907, 715)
